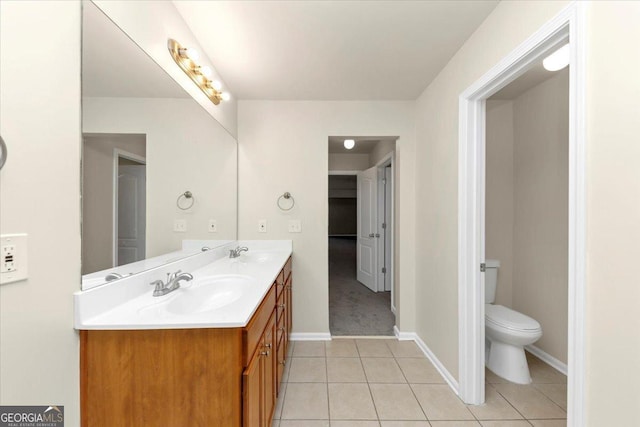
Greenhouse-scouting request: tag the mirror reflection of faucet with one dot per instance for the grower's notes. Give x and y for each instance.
(115, 276)
(235, 253)
(173, 283)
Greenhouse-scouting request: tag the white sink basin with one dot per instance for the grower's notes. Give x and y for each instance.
(258, 257)
(208, 294)
(204, 295)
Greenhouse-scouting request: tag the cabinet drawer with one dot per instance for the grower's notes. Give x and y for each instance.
(253, 331)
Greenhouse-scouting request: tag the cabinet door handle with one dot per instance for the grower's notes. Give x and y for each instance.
(281, 305)
(264, 353)
(284, 362)
(268, 345)
(281, 328)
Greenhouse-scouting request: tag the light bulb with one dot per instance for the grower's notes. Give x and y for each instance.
(225, 96)
(558, 59)
(206, 71)
(349, 144)
(193, 54)
(216, 85)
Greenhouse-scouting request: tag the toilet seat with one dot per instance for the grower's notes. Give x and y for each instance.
(504, 317)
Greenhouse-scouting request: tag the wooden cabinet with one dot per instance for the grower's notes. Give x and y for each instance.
(226, 377)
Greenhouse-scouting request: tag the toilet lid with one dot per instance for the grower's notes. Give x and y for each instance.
(505, 317)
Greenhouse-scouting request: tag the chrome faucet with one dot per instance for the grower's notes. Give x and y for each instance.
(235, 253)
(173, 283)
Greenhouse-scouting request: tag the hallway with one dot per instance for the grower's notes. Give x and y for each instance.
(353, 308)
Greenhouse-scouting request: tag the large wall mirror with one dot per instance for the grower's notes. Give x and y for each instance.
(158, 172)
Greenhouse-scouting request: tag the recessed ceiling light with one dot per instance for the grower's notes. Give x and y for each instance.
(349, 144)
(558, 59)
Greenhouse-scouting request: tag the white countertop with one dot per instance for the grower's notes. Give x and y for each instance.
(224, 292)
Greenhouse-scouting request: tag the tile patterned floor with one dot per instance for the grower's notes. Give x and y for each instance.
(390, 383)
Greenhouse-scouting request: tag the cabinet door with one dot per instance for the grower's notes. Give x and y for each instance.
(269, 377)
(252, 392)
(289, 304)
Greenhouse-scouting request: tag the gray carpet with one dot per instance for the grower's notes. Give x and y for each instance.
(353, 308)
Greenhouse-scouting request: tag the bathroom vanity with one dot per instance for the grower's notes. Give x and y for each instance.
(211, 353)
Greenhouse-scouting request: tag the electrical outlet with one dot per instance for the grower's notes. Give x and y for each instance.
(180, 225)
(213, 226)
(13, 258)
(262, 226)
(295, 226)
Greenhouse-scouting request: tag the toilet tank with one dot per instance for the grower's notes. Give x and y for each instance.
(490, 280)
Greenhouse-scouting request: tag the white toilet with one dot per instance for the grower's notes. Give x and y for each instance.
(507, 332)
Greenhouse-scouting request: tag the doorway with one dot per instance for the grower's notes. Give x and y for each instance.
(113, 200)
(130, 203)
(564, 28)
(361, 237)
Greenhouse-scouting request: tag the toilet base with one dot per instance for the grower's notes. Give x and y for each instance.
(508, 361)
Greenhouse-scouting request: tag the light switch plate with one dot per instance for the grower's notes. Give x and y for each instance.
(262, 226)
(213, 226)
(13, 258)
(180, 225)
(295, 226)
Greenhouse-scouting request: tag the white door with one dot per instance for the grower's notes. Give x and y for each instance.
(367, 253)
(387, 229)
(131, 213)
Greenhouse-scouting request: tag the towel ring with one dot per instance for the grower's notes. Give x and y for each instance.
(187, 195)
(286, 196)
(3, 152)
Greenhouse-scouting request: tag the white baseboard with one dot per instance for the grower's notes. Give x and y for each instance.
(547, 358)
(406, 336)
(313, 336)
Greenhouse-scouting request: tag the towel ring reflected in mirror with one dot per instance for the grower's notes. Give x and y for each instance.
(286, 199)
(189, 197)
(3, 152)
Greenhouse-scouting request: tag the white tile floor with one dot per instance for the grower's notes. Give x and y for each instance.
(390, 383)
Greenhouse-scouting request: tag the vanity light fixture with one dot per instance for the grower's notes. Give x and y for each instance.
(349, 144)
(187, 59)
(558, 59)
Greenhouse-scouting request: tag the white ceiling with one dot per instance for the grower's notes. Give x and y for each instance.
(331, 50)
(363, 144)
(114, 66)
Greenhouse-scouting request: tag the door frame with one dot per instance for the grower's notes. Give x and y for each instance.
(388, 160)
(569, 24)
(117, 154)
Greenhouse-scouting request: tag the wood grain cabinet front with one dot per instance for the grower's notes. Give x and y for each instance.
(208, 377)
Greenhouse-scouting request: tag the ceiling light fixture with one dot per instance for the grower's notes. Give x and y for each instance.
(558, 59)
(187, 59)
(349, 144)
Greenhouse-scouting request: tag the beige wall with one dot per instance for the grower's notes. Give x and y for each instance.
(186, 150)
(540, 232)
(437, 176)
(97, 196)
(380, 150)
(613, 213)
(283, 147)
(39, 195)
(527, 202)
(613, 195)
(348, 162)
(499, 195)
